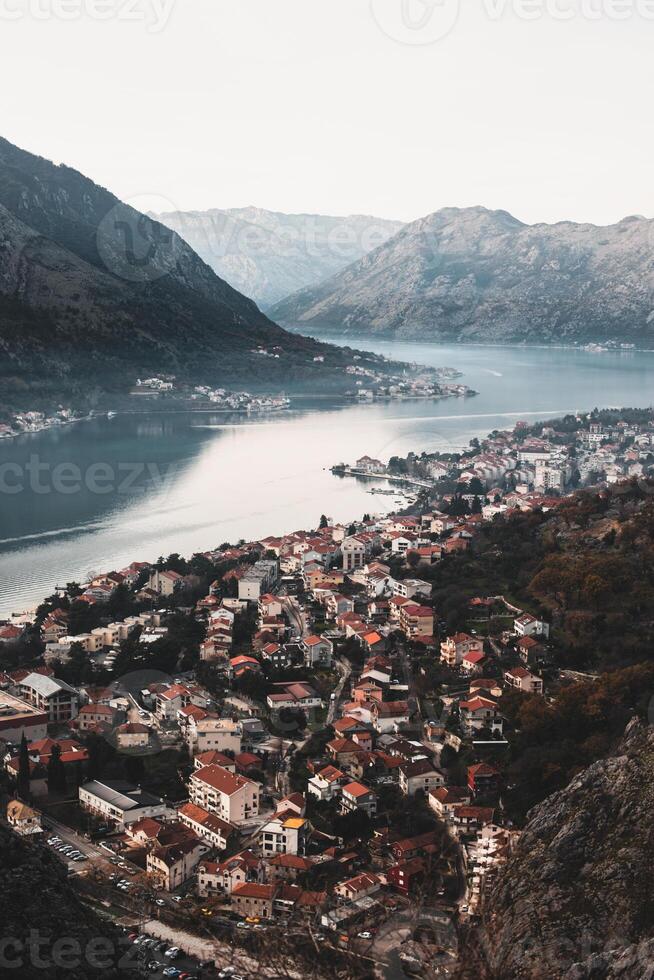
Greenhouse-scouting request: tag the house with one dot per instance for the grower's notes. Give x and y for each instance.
(234, 798)
(523, 680)
(373, 642)
(473, 662)
(248, 763)
(238, 666)
(419, 775)
(409, 587)
(358, 887)
(479, 713)
(343, 750)
(144, 831)
(170, 700)
(531, 650)
(24, 820)
(528, 625)
(119, 802)
(483, 780)
(209, 827)
(170, 865)
(284, 834)
(416, 621)
(254, 899)
(444, 800)
(287, 867)
(258, 579)
(165, 583)
(221, 878)
(355, 796)
(133, 735)
(318, 651)
(470, 819)
(57, 699)
(456, 647)
(354, 551)
(293, 694)
(269, 606)
(326, 783)
(487, 687)
(387, 716)
(216, 734)
(410, 847)
(407, 875)
(213, 758)
(348, 727)
(93, 716)
(369, 465)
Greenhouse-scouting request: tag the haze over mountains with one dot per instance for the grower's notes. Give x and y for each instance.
(268, 255)
(478, 275)
(92, 293)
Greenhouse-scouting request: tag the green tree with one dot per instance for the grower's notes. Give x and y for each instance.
(56, 772)
(23, 783)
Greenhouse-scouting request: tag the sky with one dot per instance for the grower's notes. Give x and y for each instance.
(387, 107)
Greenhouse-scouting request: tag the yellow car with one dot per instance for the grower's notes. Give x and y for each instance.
(253, 919)
(207, 911)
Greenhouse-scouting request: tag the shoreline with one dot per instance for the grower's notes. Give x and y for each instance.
(333, 338)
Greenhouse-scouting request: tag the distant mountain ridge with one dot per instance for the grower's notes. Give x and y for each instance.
(477, 275)
(268, 254)
(93, 293)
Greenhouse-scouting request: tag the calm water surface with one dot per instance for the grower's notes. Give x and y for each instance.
(134, 487)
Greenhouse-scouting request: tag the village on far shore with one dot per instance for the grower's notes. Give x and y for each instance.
(285, 733)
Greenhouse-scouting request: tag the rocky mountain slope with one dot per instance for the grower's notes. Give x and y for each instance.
(93, 293)
(478, 275)
(268, 255)
(576, 900)
(53, 934)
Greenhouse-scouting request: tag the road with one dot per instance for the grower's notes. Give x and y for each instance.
(344, 667)
(98, 856)
(296, 617)
(212, 950)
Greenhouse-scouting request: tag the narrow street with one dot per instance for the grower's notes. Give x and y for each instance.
(344, 667)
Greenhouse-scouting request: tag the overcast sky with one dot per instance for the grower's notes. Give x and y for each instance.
(386, 107)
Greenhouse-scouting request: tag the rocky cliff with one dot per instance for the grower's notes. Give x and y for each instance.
(268, 255)
(577, 898)
(483, 276)
(47, 932)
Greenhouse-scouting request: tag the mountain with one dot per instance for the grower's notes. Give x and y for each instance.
(478, 275)
(268, 255)
(94, 294)
(576, 899)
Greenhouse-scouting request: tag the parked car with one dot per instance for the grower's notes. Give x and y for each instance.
(159, 901)
(173, 952)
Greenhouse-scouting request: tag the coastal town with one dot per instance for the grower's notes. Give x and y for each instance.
(522, 467)
(362, 382)
(286, 736)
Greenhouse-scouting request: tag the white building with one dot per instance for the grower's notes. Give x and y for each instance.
(234, 798)
(119, 802)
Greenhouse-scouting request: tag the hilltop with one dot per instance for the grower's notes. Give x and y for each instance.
(470, 274)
